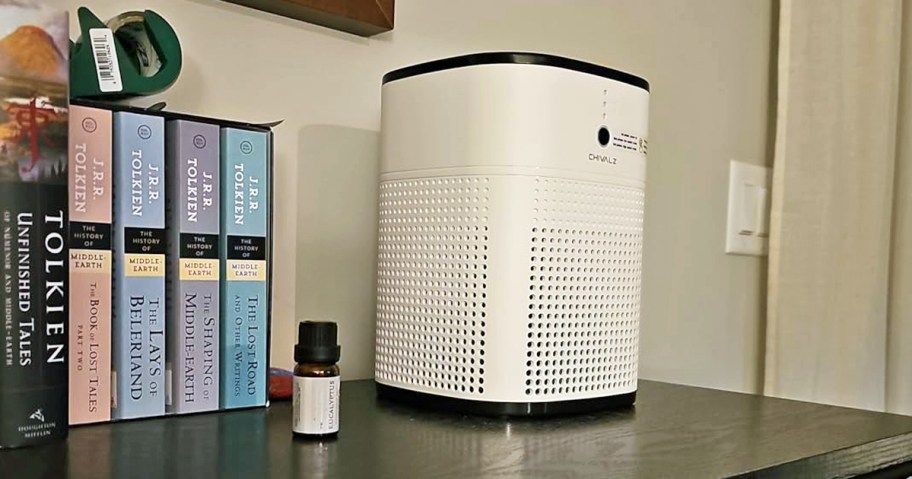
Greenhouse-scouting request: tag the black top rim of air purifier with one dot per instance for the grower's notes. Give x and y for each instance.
(511, 409)
(523, 58)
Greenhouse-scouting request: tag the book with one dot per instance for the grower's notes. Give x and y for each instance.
(90, 208)
(193, 266)
(33, 224)
(138, 339)
(244, 297)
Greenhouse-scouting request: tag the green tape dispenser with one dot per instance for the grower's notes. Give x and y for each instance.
(133, 54)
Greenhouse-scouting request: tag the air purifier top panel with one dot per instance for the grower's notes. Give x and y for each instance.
(523, 58)
(534, 114)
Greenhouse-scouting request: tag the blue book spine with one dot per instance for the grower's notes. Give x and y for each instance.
(244, 274)
(193, 266)
(139, 266)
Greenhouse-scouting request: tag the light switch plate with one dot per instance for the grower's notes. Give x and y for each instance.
(747, 231)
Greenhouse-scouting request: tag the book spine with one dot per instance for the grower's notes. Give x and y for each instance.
(33, 227)
(33, 222)
(244, 302)
(90, 206)
(139, 266)
(193, 266)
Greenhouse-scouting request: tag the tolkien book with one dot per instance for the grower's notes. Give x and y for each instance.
(193, 266)
(90, 264)
(244, 300)
(138, 341)
(33, 224)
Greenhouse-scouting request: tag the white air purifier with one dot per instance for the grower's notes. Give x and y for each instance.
(511, 234)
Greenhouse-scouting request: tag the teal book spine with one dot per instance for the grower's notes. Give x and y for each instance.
(139, 266)
(244, 275)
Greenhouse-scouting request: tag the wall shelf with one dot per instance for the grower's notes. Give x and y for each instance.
(360, 17)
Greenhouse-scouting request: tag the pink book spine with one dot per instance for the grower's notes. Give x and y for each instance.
(90, 204)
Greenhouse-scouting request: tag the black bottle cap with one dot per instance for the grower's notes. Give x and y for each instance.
(317, 343)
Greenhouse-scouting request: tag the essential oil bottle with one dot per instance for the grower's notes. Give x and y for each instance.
(315, 404)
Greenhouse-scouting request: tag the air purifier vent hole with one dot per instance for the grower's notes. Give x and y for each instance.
(584, 287)
(432, 281)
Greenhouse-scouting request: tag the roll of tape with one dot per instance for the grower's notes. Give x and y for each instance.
(147, 50)
(130, 29)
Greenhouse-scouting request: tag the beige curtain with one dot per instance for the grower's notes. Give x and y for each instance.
(830, 317)
(899, 328)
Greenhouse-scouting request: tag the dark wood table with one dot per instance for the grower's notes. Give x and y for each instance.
(673, 431)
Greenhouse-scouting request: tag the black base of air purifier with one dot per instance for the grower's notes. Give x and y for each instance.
(492, 408)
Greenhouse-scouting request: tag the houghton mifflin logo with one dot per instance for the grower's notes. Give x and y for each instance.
(41, 428)
(144, 132)
(89, 125)
(199, 141)
(246, 147)
(38, 415)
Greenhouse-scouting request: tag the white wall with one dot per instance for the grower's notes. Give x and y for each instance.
(707, 61)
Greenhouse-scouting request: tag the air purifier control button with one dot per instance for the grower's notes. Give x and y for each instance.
(604, 136)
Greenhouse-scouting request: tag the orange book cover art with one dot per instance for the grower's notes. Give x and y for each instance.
(33, 92)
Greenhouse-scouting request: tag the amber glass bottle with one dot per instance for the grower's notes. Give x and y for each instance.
(315, 401)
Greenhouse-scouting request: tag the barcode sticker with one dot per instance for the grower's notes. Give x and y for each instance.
(105, 60)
